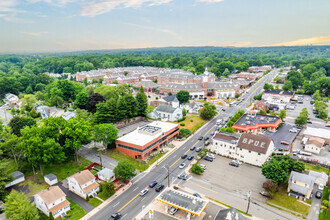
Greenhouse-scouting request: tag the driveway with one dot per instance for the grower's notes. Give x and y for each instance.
(315, 208)
(77, 199)
(94, 156)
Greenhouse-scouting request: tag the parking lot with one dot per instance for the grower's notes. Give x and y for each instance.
(235, 179)
(284, 134)
(129, 128)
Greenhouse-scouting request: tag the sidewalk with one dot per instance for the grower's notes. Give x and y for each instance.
(94, 211)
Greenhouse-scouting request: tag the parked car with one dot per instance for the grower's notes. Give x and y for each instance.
(234, 164)
(321, 187)
(212, 133)
(192, 148)
(159, 187)
(264, 193)
(184, 156)
(318, 195)
(210, 155)
(207, 143)
(183, 176)
(198, 149)
(191, 157)
(197, 195)
(284, 143)
(200, 138)
(203, 166)
(206, 138)
(182, 166)
(153, 184)
(208, 159)
(237, 161)
(293, 130)
(309, 122)
(143, 192)
(173, 210)
(115, 216)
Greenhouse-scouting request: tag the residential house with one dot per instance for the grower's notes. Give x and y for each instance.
(10, 99)
(52, 200)
(166, 113)
(191, 107)
(261, 105)
(320, 178)
(17, 177)
(314, 145)
(300, 185)
(167, 100)
(83, 184)
(317, 132)
(106, 175)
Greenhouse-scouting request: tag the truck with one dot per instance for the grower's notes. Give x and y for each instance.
(305, 153)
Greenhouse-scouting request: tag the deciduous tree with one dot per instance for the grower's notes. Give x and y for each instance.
(105, 133)
(183, 96)
(124, 170)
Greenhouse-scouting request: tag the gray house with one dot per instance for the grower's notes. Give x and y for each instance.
(300, 185)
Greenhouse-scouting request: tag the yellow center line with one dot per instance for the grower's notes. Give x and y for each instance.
(128, 202)
(203, 187)
(112, 164)
(187, 151)
(175, 162)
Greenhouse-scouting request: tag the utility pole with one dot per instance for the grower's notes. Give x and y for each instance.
(249, 199)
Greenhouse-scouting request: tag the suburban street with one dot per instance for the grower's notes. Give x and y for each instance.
(129, 203)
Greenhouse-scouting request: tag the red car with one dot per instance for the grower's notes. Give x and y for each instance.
(284, 142)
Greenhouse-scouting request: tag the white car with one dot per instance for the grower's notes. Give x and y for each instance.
(293, 130)
(237, 161)
(210, 155)
(182, 166)
(203, 166)
(143, 192)
(321, 186)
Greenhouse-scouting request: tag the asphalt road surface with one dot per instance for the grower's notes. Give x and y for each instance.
(130, 203)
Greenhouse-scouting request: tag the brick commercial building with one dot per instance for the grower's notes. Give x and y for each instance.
(256, 123)
(143, 141)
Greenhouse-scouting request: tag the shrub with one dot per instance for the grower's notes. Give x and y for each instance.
(182, 124)
(181, 119)
(196, 168)
(156, 97)
(325, 203)
(184, 132)
(191, 120)
(87, 198)
(90, 196)
(270, 187)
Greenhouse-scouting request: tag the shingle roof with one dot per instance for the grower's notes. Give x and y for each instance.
(170, 98)
(51, 194)
(165, 108)
(176, 86)
(146, 84)
(227, 137)
(17, 174)
(229, 214)
(315, 174)
(83, 177)
(51, 176)
(255, 143)
(279, 92)
(300, 177)
(318, 142)
(222, 85)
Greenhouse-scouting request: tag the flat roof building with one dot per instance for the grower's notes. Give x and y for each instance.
(144, 140)
(257, 123)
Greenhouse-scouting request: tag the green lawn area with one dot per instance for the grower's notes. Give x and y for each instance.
(76, 211)
(192, 126)
(103, 196)
(32, 185)
(316, 168)
(94, 202)
(63, 170)
(324, 214)
(117, 155)
(282, 199)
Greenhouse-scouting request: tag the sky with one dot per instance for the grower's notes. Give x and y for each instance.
(71, 25)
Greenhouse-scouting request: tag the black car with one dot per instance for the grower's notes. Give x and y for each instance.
(200, 138)
(184, 156)
(210, 159)
(198, 149)
(159, 187)
(223, 109)
(191, 157)
(197, 195)
(192, 148)
(309, 122)
(318, 195)
(206, 138)
(207, 143)
(153, 184)
(115, 216)
(234, 164)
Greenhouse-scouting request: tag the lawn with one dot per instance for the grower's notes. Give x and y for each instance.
(76, 211)
(94, 202)
(316, 168)
(282, 199)
(63, 170)
(32, 185)
(193, 125)
(324, 214)
(117, 155)
(103, 196)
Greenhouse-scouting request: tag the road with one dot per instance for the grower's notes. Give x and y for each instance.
(130, 203)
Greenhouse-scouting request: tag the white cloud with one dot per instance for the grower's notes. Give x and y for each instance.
(306, 41)
(35, 34)
(163, 30)
(55, 2)
(210, 1)
(97, 7)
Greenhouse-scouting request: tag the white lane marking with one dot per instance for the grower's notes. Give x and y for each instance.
(135, 189)
(189, 178)
(143, 198)
(174, 156)
(124, 215)
(116, 204)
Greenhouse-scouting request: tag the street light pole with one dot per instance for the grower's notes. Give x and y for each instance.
(249, 199)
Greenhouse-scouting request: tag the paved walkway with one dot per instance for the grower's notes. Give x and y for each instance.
(315, 207)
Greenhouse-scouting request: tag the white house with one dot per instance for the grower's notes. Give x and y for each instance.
(170, 100)
(166, 113)
(51, 179)
(52, 200)
(225, 144)
(191, 107)
(10, 98)
(320, 178)
(18, 177)
(314, 145)
(106, 175)
(254, 149)
(83, 184)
